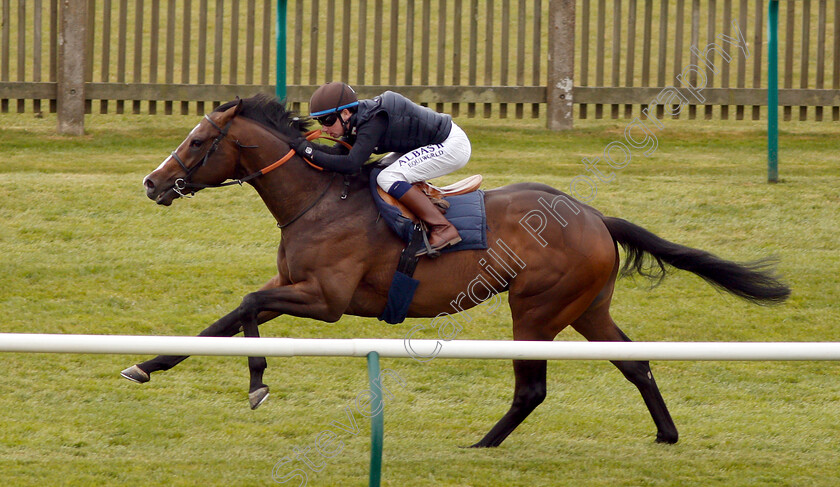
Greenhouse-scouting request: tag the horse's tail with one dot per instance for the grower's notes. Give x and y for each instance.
(753, 281)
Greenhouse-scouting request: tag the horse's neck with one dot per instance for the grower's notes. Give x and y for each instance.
(295, 189)
(286, 189)
(290, 189)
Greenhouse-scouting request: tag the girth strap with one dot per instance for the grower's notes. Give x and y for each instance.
(403, 285)
(409, 258)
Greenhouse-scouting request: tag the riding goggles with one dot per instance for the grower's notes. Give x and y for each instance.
(328, 117)
(327, 120)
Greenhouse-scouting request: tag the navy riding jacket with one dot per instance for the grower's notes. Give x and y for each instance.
(389, 122)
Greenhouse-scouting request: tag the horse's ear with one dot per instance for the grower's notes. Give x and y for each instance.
(230, 112)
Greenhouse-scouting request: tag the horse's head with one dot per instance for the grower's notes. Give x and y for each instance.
(202, 159)
(212, 153)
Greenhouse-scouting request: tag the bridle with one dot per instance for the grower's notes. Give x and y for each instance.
(186, 188)
(185, 183)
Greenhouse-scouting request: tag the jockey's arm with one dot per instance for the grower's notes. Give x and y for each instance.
(368, 136)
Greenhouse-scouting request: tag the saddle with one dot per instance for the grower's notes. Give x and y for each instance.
(467, 214)
(435, 194)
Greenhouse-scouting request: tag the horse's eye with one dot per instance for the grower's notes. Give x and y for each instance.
(196, 143)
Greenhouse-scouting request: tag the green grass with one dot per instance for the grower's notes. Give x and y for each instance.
(83, 251)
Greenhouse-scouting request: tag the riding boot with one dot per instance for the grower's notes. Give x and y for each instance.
(442, 233)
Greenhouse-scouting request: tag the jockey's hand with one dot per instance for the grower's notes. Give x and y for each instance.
(302, 147)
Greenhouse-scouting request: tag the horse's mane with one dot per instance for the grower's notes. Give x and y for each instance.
(268, 111)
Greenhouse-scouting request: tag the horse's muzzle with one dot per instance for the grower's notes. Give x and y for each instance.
(150, 187)
(159, 196)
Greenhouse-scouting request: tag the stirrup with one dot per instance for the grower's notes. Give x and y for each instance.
(427, 247)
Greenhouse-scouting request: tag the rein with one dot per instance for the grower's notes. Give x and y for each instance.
(183, 185)
(312, 205)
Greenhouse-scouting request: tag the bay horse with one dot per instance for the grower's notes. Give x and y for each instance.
(337, 257)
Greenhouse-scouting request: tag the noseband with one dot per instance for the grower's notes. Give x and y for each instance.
(185, 183)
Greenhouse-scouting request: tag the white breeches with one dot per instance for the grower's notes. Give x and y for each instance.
(426, 162)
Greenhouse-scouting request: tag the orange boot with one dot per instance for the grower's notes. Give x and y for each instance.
(442, 233)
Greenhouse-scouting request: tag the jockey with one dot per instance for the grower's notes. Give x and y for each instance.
(422, 144)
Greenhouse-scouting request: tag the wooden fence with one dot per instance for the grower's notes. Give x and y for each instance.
(506, 58)
(627, 47)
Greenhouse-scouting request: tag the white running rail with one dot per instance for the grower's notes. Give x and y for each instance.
(421, 349)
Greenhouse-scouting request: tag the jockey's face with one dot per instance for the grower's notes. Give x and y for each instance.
(336, 129)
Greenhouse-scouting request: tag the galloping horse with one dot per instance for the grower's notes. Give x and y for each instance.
(336, 257)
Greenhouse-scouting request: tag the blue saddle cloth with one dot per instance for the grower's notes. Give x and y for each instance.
(468, 215)
(466, 212)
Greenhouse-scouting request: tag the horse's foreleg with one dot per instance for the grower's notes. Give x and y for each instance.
(305, 299)
(298, 300)
(257, 391)
(529, 392)
(226, 326)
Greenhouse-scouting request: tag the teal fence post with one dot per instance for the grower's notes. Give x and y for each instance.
(773, 93)
(377, 420)
(281, 49)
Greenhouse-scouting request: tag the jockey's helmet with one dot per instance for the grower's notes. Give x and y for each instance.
(331, 98)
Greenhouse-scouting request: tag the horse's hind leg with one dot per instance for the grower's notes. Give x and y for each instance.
(638, 373)
(529, 392)
(596, 324)
(536, 317)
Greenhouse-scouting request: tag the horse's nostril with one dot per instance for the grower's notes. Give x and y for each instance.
(148, 183)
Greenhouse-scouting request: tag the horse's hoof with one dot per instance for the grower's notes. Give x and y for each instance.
(668, 438)
(480, 445)
(135, 374)
(258, 397)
